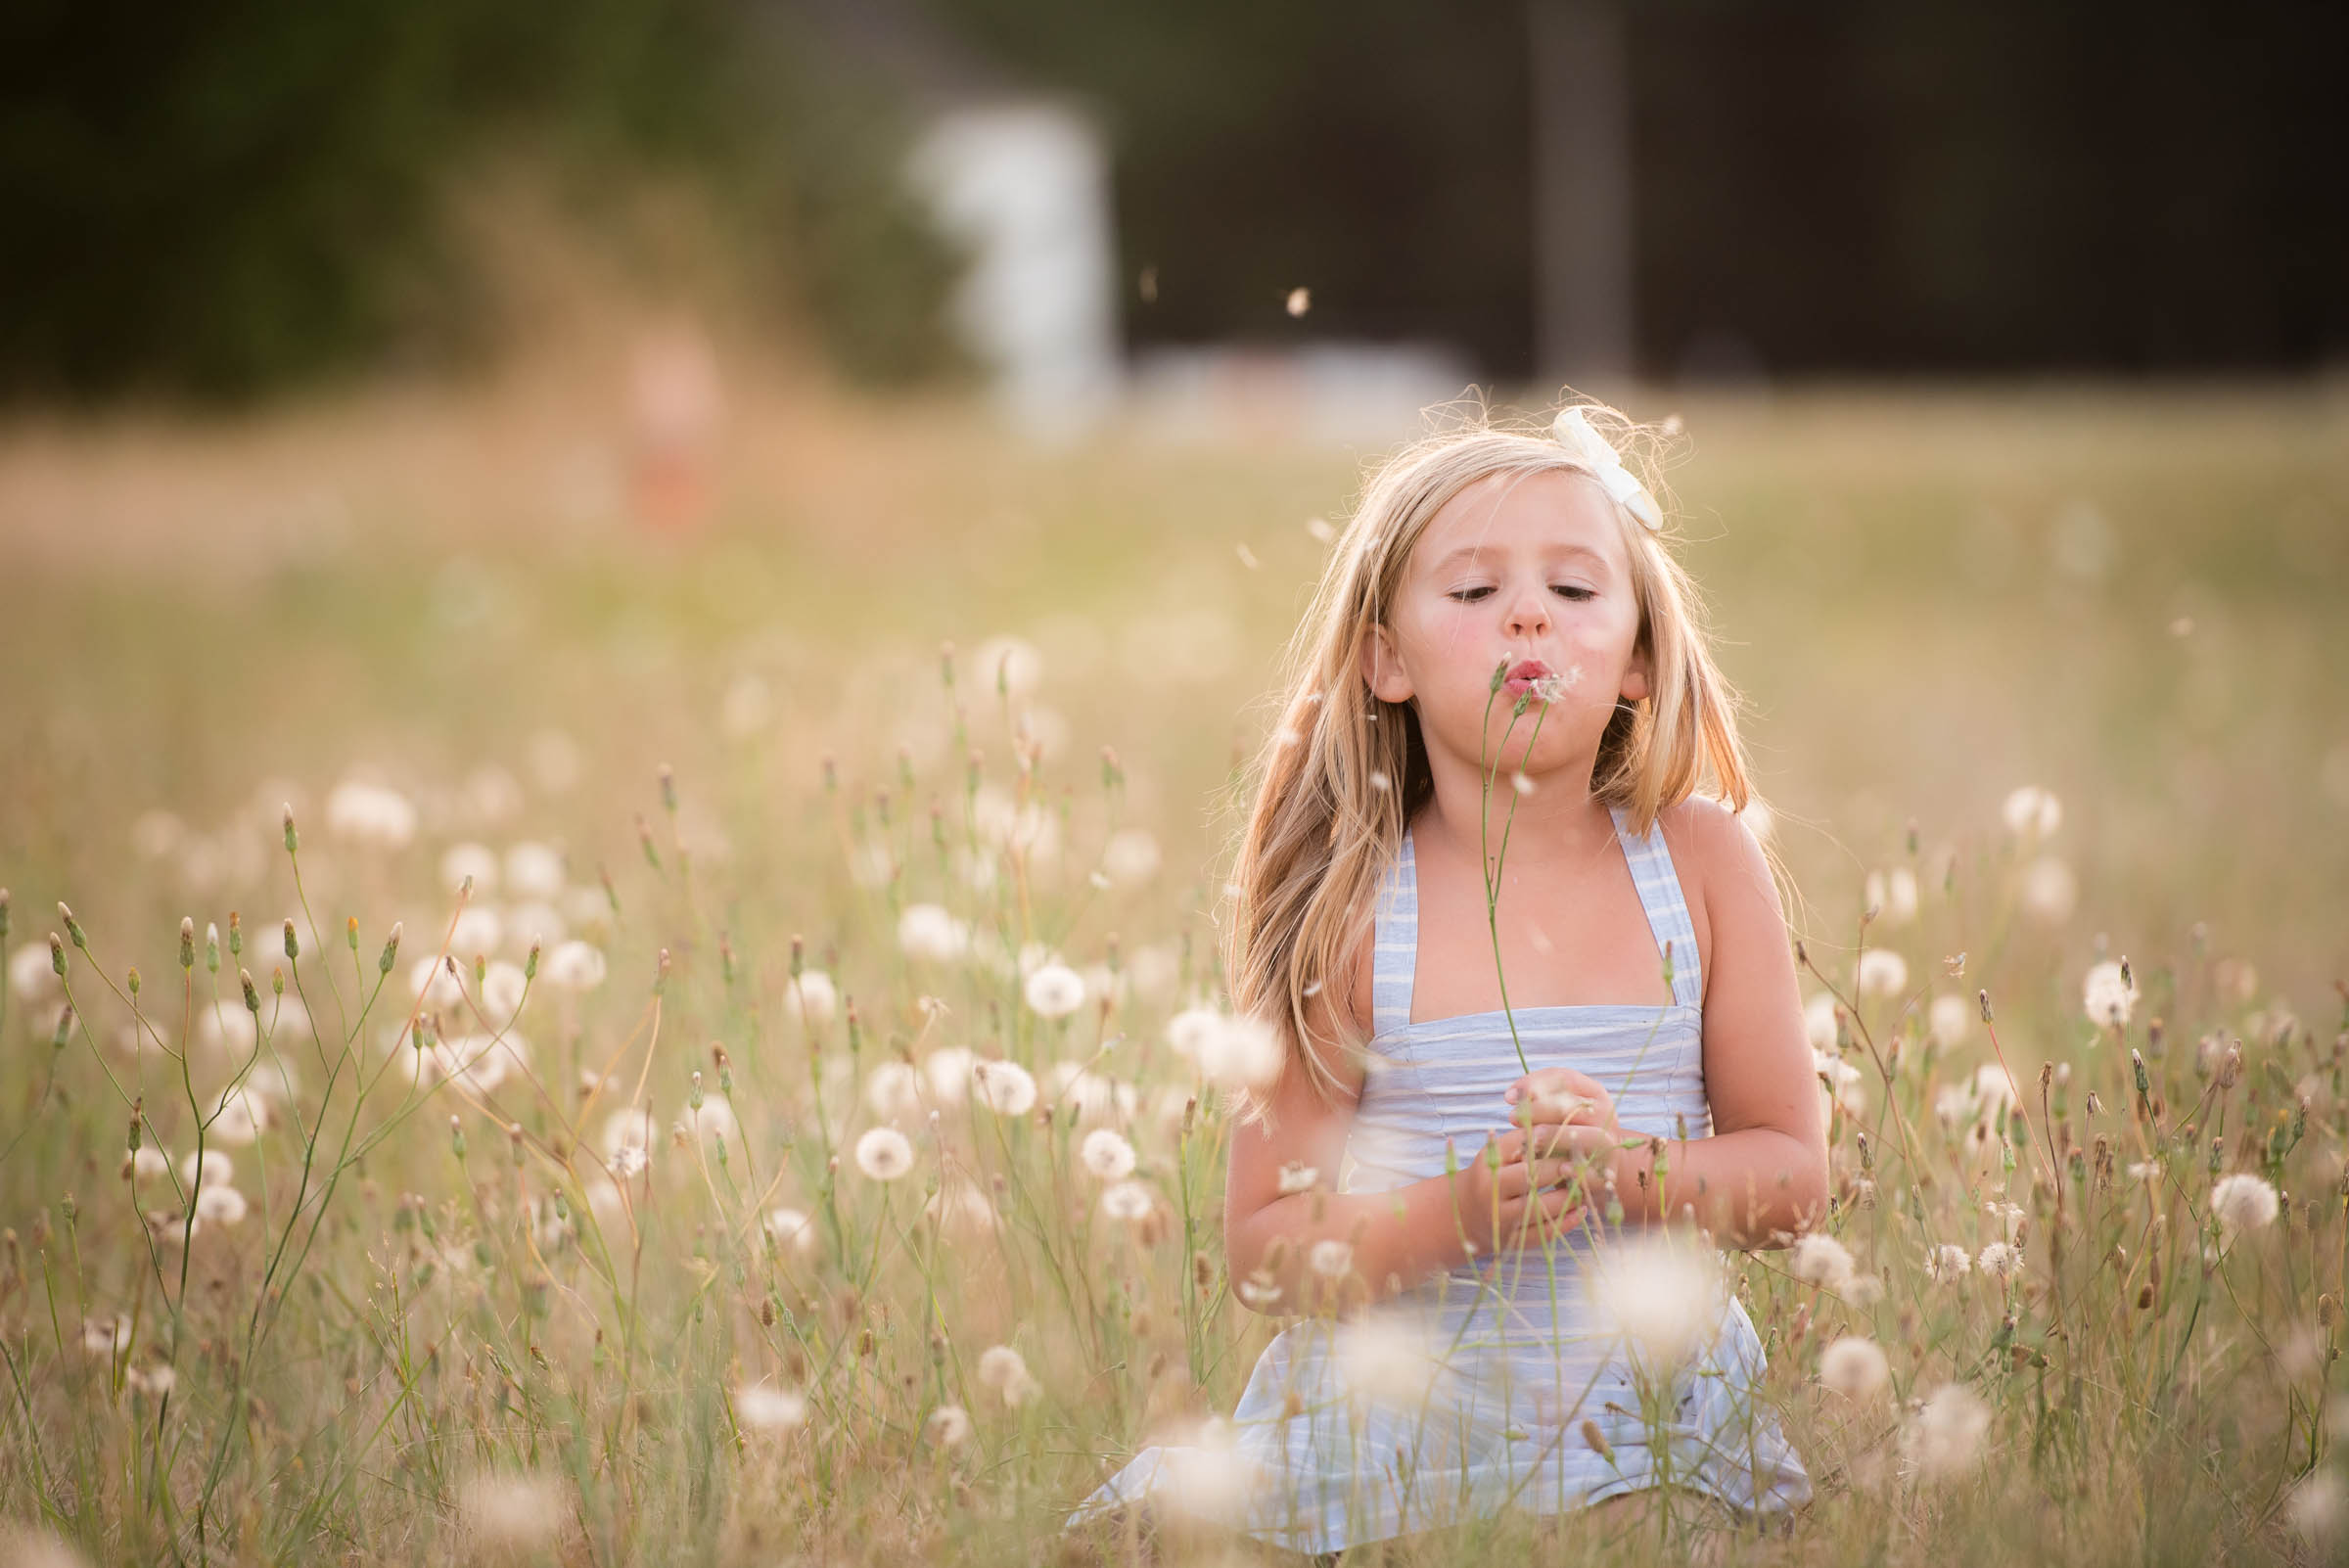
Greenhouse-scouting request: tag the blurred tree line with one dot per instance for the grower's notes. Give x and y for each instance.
(229, 197)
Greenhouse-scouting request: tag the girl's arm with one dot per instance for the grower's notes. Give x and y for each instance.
(1399, 1238)
(1763, 1173)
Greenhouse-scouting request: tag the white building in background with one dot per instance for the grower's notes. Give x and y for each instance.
(1023, 186)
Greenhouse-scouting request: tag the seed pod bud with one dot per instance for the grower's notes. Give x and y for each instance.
(3, 913)
(65, 1029)
(137, 1121)
(252, 995)
(133, 979)
(383, 965)
(1598, 1440)
(187, 942)
(456, 1135)
(292, 943)
(293, 843)
(56, 955)
(514, 1141)
(211, 946)
(236, 935)
(1984, 997)
(277, 980)
(350, 934)
(798, 948)
(530, 965)
(72, 926)
(669, 789)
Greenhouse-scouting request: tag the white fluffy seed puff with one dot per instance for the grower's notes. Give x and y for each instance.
(884, 1154)
(2243, 1202)
(1005, 1370)
(1107, 1154)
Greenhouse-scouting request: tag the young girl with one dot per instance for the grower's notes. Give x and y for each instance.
(1499, 1066)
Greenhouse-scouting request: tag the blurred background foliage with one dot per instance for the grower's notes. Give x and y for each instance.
(226, 199)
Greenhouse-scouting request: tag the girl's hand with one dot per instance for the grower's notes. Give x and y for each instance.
(1502, 1200)
(1553, 1097)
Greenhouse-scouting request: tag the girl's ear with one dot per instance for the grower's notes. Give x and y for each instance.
(1635, 678)
(1382, 671)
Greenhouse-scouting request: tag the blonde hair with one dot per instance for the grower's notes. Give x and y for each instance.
(1332, 787)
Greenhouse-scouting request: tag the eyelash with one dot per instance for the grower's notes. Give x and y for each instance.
(1574, 593)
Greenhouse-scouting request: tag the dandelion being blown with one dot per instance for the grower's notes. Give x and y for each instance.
(1537, 1326)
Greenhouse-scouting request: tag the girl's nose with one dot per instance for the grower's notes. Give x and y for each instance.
(1528, 615)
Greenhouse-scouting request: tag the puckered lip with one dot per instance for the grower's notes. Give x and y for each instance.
(1527, 670)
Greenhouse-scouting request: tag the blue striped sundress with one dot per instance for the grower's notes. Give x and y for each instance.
(1522, 1366)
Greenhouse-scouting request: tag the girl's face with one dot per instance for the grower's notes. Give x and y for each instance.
(1517, 569)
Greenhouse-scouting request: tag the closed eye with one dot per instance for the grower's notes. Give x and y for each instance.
(1570, 591)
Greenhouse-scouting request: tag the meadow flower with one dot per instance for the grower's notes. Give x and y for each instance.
(926, 932)
(894, 1090)
(2107, 998)
(238, 1117)
(1819, 1259)
(948, 1073)
(1003, 1087)
(947, 1426)
(1129, 1201)
(1330, 1257)
(1244, 1054)
(999, 1365)
(1298, 1177)
(502, 990)
(476, 860)
(436, 986)
(1659, 1293)
(794, 1229)
(370, 815)
(769, 1408)
(1854, 1367)
(512, 1511)
(2050, 891)
(962, 1206)
(1951, 1019)
(884, 1154)
(1055, 989)
(1188, 1032)
(214, 1168)
(1882, 972)
(103, 1336)
(1131, 857)
(2241, 1201)
(1892, 894)
(1946, 1261)
(534, 870)
(1105, 1154)
(573, 965)
(1945, 1436)
(2000, 1260)
(2030, 812)
(814, 997)
(631, 1128)
(1818, 1020)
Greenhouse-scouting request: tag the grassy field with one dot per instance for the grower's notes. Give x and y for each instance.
(425, 1323)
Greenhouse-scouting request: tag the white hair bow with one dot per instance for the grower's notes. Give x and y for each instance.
(1591, 449)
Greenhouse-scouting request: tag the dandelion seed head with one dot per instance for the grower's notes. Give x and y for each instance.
(1944, 1438)
(930, 933)
(2030, 812)
(947, 1426)
(1882, 972)
(1127, 1201)
(884, 1154)
(2241, 1202)
(1105, 1154)
(1819, 1259)
(1004, 1087)
(2106, 996)
(1854, 1367)
(768, 1409)
(1055, 990)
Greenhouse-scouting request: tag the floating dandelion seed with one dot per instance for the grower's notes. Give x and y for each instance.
(2108, 995)
(1004, 1087)
(1855, 1368)
(1520, 783)
(884, 1154)
(1297, 1176)
(1105, 1154)
(1055, 990)
(1300, 302)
